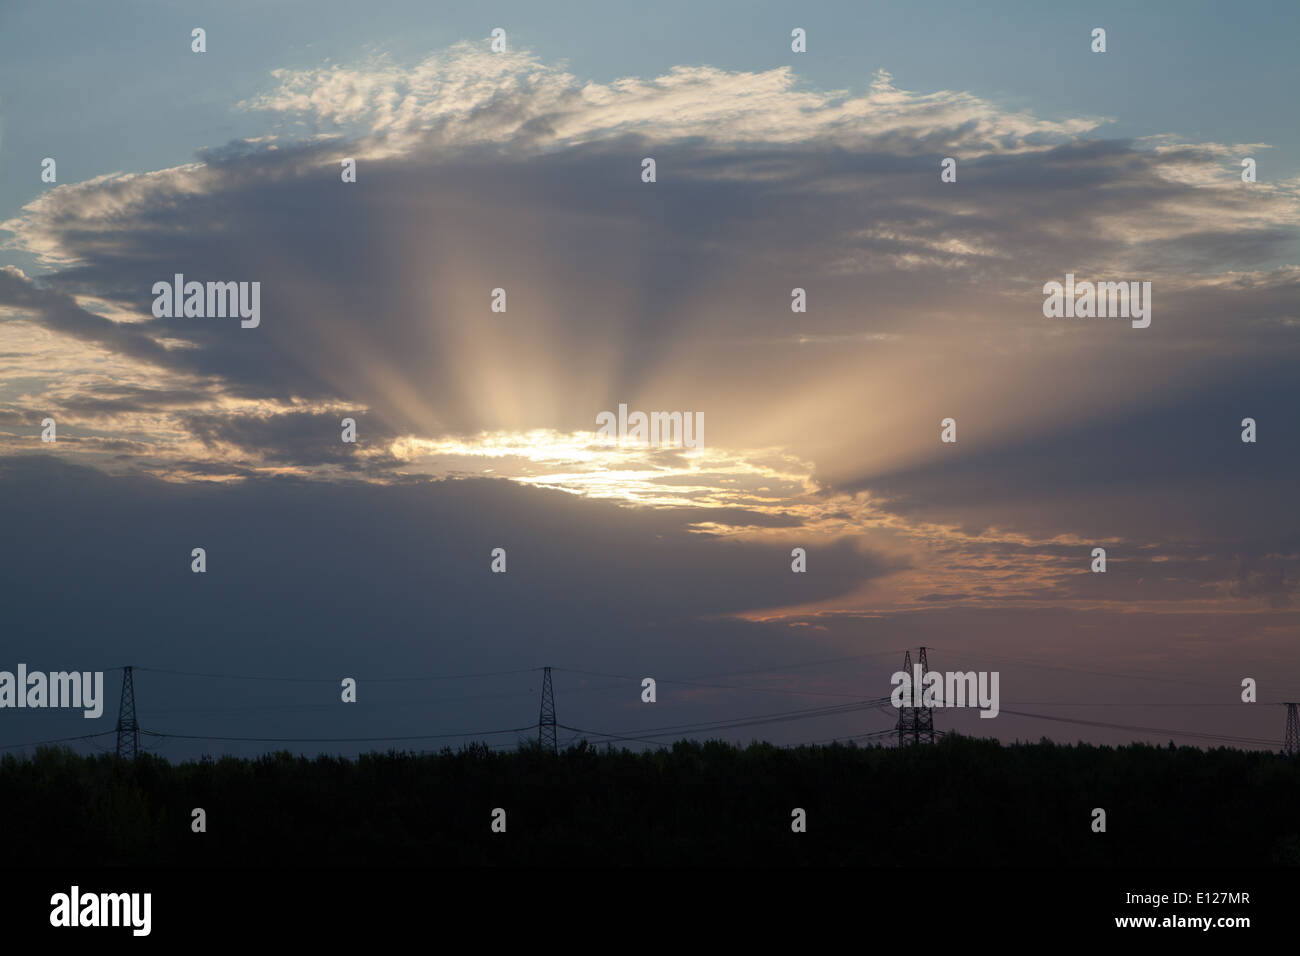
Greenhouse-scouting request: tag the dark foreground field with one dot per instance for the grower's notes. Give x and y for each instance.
(960, 802)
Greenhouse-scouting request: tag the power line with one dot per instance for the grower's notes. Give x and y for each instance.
(733, 723)
(827, 711)
(648, 736)
(387, 702)
(57, 740)
(760, 670)
(1151, 730)
(393, 703)
(694, 683)
(889, 732)
(322, 740)
(335, 680)
(1080, 703)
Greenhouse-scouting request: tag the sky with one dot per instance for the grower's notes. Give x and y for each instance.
(775, 170)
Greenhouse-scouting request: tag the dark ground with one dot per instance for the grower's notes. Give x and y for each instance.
(961, 802)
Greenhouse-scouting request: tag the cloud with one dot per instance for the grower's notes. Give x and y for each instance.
(481, 171)
(467, 95)
(322, 580)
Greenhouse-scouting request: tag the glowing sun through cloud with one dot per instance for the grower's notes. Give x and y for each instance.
(587, 463)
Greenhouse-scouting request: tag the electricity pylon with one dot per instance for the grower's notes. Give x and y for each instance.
(915, 724)
(128, 730)
(546, 722)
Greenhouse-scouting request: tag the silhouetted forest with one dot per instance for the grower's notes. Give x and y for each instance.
(961, 802)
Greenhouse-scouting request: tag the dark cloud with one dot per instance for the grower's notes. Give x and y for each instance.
(318, 579)
(1175, 468)
(416, 552)
(377, 292)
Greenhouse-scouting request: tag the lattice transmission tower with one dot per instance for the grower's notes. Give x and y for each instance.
(915, 724)
(128, 730)
(546, 722)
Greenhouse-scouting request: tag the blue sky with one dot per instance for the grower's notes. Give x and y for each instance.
(115, 87)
